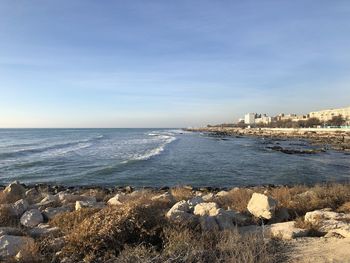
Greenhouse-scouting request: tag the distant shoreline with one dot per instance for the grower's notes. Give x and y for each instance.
(335, 138)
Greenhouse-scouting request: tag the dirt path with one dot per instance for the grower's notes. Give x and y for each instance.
(319, 250)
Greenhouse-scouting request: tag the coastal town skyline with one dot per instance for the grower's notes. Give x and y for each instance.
(164, 64)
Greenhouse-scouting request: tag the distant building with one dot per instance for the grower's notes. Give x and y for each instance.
(326, 115)
(263, 119)
(249, 118)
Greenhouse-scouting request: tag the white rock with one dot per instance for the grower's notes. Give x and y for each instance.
(19, 207)
(317, 216)
(11, 245)
(32, 218)
(262, 206)
(286, 230)
(116, 200)
(206, 209)
(208, 197)
(88, 204)
(180, 212)
(330, 222)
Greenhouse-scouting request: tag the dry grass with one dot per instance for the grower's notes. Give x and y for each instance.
(344, 208)
(67, 221)
(139, 232)
(314, 229)
(181, 193)
(8, 199)
(186, 245)
(237, 199)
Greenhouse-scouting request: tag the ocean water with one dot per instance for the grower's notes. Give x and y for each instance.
(159, 157)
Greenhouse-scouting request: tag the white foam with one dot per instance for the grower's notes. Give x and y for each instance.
(153, 152)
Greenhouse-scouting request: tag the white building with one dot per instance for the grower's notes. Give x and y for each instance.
(249, 118)
(263, 119)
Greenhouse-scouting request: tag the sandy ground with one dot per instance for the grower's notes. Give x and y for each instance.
(319, 250)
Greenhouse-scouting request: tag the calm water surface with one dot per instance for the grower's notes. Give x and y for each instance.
(158, 157)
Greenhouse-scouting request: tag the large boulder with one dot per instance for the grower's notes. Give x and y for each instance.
(14, 191)
(11, 245)
(180, 212)
(206, 209)
(330, 222)
(19, 207)
(32, 218)
(262, 206)
(286, 230)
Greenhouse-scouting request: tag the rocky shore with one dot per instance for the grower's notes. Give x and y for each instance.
(46, 223)
(337, 139)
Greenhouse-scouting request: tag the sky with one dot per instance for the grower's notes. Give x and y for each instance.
(160, 63)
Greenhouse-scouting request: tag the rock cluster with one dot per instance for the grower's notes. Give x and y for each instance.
(35, 208)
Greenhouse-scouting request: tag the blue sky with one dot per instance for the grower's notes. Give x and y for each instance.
(165, 63)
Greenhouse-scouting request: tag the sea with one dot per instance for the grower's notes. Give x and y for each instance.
(160, 157)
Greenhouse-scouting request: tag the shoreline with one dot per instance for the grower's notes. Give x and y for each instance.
(336, 139)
